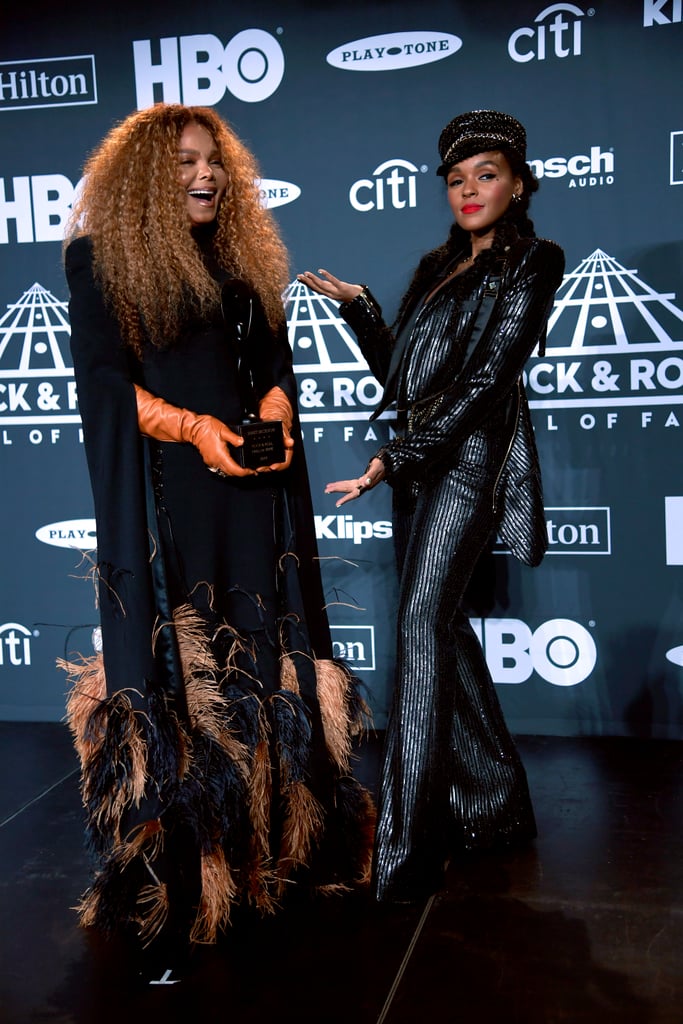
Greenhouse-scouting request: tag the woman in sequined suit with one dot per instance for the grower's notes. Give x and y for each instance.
(462, 467)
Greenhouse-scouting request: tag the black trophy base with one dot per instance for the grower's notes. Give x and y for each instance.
(263, 444)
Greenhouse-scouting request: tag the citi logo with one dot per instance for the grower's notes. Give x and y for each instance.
(584, 170)
(277, 193)
(355, 645)
(15, 644)
(47, 82)
(71, 533)
(560, 651)
(337, 527)
(393, 183)
(556, 31)
(197, 70)
(394, 51)
(655, 12)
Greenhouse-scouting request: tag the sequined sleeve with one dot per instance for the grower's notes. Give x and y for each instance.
(490, 375)
(364, 316)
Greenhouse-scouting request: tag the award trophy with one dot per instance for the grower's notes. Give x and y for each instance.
(263, 439)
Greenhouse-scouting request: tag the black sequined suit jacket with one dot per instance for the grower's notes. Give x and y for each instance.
(452, 383)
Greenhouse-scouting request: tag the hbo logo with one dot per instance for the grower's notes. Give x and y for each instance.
(251, 67)
(561, 651)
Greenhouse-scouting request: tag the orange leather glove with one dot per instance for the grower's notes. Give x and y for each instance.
(166, 422)
(276, 406)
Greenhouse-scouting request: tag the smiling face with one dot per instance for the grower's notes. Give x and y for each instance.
(201, 173)
(480, 190)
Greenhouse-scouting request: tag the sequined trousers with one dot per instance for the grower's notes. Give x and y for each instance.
(451, 777)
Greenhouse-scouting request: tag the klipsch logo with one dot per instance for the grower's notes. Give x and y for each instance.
(345, 527)
(47, 82)
(556, 32)
(585, 170)
(197, 69)
(662, 12)
(393, 51)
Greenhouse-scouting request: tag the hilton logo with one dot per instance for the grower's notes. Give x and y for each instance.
(355, 645)
(47, 82)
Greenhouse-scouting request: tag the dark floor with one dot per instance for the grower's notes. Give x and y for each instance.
(587, 925)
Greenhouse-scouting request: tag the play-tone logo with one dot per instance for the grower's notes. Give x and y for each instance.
(561, 651)
(70, 533)
(556, 32)
(277, 193)
(355, 645)
(48, 82)
(394, 51)
(197, 69)
(675, 656)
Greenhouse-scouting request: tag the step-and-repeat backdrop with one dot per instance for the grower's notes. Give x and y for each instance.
(343, 105)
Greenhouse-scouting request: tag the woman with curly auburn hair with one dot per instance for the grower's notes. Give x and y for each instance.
(215, 728)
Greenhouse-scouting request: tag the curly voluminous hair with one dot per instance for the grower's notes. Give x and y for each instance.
(134, 211)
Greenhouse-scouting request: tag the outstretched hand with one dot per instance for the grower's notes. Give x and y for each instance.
(329, 285)
(352, 489)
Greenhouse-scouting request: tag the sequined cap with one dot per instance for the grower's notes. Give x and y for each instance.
(477, 132)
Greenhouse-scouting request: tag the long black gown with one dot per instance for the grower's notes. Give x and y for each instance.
(215, 733)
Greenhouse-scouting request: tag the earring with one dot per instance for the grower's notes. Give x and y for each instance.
(516, 197)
